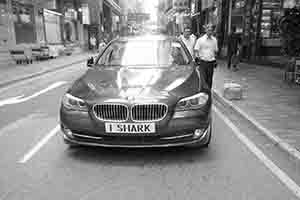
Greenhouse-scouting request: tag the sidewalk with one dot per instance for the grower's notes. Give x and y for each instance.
(12, 73)
(268, 99)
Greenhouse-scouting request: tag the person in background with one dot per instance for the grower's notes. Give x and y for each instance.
(93, 42)
(236, 58)
(177, 58)
(233, 44)
(102, 45)
(206, 48)
(189, 40)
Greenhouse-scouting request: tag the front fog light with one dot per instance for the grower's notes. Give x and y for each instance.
(198, 133)
(66, 131)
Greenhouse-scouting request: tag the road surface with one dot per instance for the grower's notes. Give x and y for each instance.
(36, 164)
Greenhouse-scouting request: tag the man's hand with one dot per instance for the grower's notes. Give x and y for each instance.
(215, 65)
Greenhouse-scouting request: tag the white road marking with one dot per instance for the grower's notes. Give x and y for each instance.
(39, 145)
(281, 175)
(21, 98)
(12, 100)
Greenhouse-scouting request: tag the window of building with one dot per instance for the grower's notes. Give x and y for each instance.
(271, 11)
(24, 23)
(3, 14)
(238, 4)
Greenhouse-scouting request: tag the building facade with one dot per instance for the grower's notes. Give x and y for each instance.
(55, 22)
(257, 22)
(177, 15)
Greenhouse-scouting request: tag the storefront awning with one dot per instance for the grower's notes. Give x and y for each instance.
(114, 6)
(52, 12)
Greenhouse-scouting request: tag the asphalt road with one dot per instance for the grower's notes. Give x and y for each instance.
(36, 164)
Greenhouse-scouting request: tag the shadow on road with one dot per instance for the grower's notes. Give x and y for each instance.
(138, 157)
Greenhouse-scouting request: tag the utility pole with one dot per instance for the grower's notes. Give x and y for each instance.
(198, 17)
(229, 16)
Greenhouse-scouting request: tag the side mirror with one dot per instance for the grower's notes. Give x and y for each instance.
(90, 62)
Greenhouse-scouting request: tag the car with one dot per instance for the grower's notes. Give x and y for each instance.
(139, 92)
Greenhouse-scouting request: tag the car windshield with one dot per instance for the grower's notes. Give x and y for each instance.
(144, 53)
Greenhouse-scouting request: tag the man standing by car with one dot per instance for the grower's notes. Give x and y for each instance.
(206, 49)
(188, 39)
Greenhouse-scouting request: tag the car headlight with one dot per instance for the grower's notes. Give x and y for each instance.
(74, 103)
(193, 102)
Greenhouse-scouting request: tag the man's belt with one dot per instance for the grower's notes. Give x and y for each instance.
(198, 60)
(212, 61)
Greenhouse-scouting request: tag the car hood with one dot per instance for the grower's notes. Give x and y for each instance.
(112, 83)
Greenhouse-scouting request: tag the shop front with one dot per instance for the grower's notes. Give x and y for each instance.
(70, 25)
(6, 30)
(209, 12)
(269, 44)
(257, 22)
(111, 17)
(24, 21)
(52, 26)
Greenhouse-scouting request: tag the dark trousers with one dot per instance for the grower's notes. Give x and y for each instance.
(229, 59)
(207, 69)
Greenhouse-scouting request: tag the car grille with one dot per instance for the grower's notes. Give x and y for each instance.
(148, 112)
(111, 112)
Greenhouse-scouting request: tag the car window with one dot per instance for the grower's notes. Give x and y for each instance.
(144, 53)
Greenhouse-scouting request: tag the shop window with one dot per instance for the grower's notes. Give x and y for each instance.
(3, 14)
(23, 17)
(290, 3)
(238, 4)
(270, 18)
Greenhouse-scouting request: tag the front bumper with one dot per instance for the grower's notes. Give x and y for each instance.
(175, 130)
(188, 139)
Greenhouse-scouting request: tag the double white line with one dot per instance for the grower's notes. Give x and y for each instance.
(281, 175)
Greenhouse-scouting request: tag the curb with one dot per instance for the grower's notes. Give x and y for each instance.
(274, 138)
(40, 73)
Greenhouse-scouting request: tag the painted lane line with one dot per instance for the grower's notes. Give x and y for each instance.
(12, 100)
(21, 98)
(39, 145)
(273, 137)
(51, 87)
(281, 175)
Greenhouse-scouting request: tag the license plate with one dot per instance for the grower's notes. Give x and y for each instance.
(130, 127)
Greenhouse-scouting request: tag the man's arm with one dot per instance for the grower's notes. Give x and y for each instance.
(196, 53)
(216, 46)
(196, 48)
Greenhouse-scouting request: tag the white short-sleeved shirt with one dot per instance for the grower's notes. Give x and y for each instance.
(93, 41)
(189, 43)
(206, 48)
